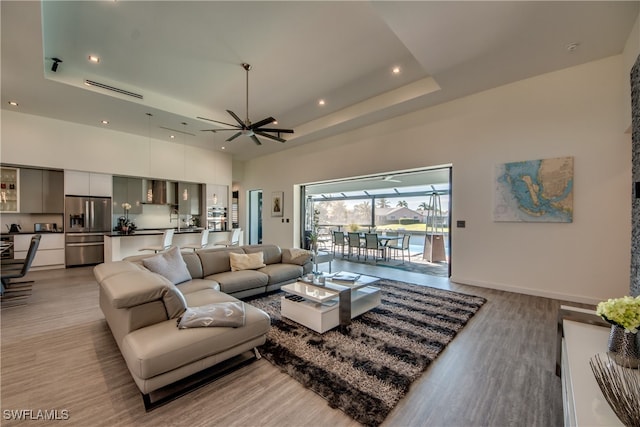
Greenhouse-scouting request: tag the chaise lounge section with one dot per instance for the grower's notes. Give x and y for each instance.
(143, 307)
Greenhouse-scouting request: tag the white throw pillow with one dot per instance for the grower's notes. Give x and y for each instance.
(246, 261)
(170, 265)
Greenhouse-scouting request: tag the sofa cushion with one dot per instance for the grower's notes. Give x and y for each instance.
(246, 261)
(216, 260)
(195, 285)
(170, 265)
(279, 273)
(108, 269)
(163, 347)
(272, 253)
(236, 281)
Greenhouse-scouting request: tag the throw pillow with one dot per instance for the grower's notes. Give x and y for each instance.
(170, 265)
(246, 261)
(229, 314)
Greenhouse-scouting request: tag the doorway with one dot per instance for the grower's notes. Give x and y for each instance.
(415, 203)
(255, 217)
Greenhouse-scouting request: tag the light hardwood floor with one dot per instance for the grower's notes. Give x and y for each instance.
(58, 353)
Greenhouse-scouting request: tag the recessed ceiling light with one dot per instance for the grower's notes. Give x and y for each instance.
(396, 70)
(275, 122)
(94, 59)
(13, 103)
(172, 136)
(321, 102)
(571, 47)
(105, 122)
(223, 147)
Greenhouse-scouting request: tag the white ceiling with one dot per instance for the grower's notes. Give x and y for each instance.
(185, 59)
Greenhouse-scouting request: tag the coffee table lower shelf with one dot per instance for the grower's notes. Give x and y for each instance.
(322, 317)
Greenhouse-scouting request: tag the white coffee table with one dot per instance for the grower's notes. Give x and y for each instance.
(322, 308)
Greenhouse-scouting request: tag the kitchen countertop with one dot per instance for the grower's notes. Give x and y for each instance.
(151, 232)
(6, 233)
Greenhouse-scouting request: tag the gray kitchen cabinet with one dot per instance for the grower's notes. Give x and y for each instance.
(52, 191)
(127, 190)
(41, 191)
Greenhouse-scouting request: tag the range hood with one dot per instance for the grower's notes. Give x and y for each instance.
(160, 192)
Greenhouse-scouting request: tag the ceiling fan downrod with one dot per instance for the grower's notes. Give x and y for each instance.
(247, 67)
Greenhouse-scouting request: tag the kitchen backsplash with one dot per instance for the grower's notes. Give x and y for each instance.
(27, 221)
(154, 216)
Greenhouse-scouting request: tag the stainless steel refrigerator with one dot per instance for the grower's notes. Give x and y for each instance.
(87, 219)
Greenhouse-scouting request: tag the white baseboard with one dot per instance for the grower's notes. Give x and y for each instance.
(526, 291)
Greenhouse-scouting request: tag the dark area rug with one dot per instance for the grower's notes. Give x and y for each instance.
(364, 369)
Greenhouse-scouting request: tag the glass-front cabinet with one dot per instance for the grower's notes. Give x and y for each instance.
(9, 189)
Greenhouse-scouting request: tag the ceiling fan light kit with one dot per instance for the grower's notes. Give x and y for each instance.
(246, 128)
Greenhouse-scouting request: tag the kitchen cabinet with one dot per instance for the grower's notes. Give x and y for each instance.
(88, 184)
(41, 191)
(50, 252)
(9, 189)
(127, 190)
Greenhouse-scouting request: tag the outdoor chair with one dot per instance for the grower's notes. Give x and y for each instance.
(204, 241)
(371, 243)
(404, 246)
(338, 240)
(167, 240)
(354, 243)
(14, 270)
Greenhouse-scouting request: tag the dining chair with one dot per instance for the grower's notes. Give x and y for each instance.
(404, 246)
(354, 243)
(167, 240)
(338, 240)
(17, 270)
(204, 241)
(371, 243)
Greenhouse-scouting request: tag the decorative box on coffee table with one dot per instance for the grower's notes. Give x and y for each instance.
(324, 307)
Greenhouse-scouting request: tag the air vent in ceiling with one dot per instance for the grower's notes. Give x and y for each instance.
(111, 88)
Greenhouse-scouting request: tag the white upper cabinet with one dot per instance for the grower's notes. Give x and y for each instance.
(88, 183)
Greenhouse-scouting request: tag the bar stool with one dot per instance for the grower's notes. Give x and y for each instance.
(204, 241)
(167, 239)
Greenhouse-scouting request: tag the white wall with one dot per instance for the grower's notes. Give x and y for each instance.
(574, 112)
(43, 142)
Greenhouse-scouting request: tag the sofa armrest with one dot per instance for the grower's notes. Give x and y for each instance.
(296, 256)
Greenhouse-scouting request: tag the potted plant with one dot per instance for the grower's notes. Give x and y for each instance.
(624, 316)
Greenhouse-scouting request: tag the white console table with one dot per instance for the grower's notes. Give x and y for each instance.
(583, 402)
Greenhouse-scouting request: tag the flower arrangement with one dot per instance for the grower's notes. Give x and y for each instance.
(623, 312)
(124, 225)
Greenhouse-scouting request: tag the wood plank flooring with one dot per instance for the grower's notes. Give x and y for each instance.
(58, 353)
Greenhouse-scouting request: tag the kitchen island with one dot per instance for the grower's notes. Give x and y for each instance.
(118, 246)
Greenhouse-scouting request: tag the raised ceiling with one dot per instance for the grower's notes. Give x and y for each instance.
(184, 58)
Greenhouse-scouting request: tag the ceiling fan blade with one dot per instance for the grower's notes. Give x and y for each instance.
(256, 140)
(215, 121)
(234, 136)
(262, 123)
(266, 135)
(238, 119)
(275, 130)
(218, 130)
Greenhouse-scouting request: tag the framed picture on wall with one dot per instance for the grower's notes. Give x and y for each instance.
(277, 206)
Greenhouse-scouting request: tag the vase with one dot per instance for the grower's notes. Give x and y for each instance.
(623, 347)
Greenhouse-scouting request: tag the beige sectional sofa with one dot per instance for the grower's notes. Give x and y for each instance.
(143, 307)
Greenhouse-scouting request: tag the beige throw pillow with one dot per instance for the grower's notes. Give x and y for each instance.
(246, 261)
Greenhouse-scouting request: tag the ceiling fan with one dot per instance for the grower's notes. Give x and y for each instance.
(246, 127)
(389, 178)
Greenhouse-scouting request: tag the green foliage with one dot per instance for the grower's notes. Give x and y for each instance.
(407, 221)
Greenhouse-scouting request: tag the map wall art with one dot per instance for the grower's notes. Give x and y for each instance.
(534, 191)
